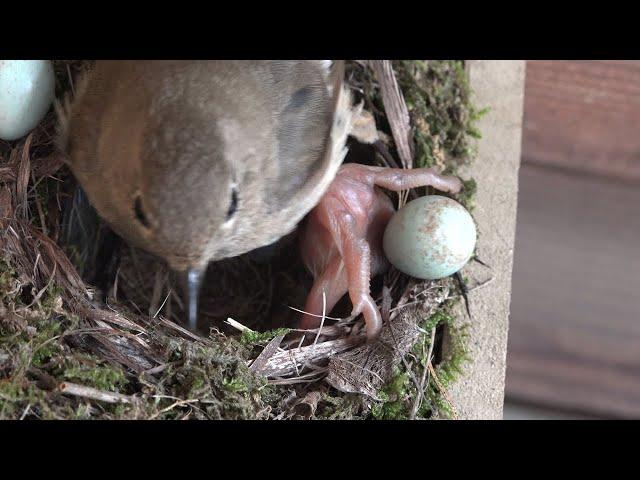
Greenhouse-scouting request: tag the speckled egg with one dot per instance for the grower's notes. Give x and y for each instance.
(26, 92)
(430, 237)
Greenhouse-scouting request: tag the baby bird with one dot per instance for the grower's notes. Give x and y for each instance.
(341, 238)
(195, 161)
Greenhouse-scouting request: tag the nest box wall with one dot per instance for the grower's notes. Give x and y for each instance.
(479, 392)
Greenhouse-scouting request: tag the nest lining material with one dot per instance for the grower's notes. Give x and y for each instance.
(170, 372)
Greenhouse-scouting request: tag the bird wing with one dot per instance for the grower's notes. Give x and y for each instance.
(312, 135)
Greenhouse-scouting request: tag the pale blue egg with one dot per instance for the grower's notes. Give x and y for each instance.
(430, 237)
(27, 88)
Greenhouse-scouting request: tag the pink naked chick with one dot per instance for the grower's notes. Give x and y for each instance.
(341, 238)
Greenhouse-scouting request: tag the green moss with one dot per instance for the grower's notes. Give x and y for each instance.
(216, 375)
(84, 369)
(6, 273)
(17, 395)
(393, 404)
(33, 337)
(398, 396)
(450, 366)
(235, 385)
(341, 406)
(251, 337)
(438, 97)
(85, 411)
(467, 196)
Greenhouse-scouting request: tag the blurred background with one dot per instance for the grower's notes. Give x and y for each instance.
(574, 335)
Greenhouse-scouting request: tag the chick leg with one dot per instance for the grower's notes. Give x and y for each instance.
(333, 282)
(397, 179)
(356, 256)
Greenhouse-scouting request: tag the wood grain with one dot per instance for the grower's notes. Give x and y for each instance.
(574, 339)
(584, 115)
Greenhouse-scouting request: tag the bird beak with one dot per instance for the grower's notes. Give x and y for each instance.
(194, 279)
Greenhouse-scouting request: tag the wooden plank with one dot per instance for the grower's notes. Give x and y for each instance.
(583, 115)
(516, 411)
(574, 338)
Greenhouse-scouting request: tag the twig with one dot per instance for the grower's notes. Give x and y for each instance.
(26, 410)
(317, 316)
(115, 319)
(423, 380)
(408, 304)
(385, 309)
(324, 313)
(396, 110)
(287, 362)
(158, 369)
(268, 352)
(327, 330)
(172, 406)
(385, 154)
(481, 262)
(237, 325)
(465, 291)
(444, 393)
(43, 223)
(76, 390)
(45, 288)
(162, 306)
(73, 90)
(184, 331)
(306, 378)
(306, 407)
(158, 285)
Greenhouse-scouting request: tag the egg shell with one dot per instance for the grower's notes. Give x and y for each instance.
(430, 237)
(27, 88)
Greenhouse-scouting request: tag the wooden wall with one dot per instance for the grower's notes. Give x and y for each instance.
(585, 116)
(574, 339)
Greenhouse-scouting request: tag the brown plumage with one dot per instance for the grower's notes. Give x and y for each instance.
(196, 161)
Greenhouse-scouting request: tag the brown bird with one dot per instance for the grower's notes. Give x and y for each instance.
(195, 161)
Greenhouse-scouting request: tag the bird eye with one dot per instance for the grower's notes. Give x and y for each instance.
(139, 211)
(233, 206)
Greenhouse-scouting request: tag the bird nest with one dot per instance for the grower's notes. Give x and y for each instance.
(92, 328)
